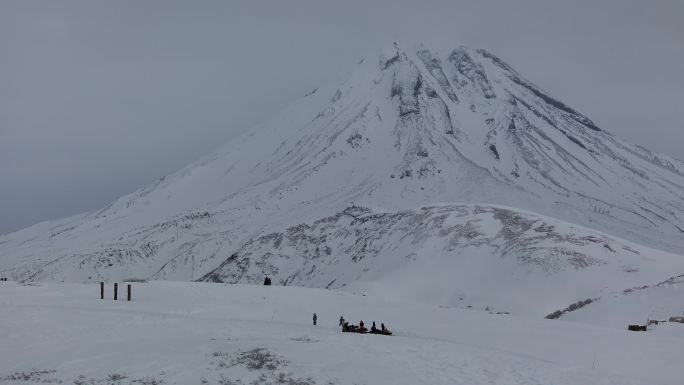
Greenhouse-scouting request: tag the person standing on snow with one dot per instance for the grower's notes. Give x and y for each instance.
(341, 320)
(315, 318)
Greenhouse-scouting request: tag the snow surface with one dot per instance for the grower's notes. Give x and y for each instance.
(201, 333)
(466, 204)
(468, 256)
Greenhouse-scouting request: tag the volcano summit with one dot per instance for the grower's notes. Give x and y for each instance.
(422, 165)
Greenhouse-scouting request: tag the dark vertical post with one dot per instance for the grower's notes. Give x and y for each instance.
(101, 290)
(129, 292)
(116, 291)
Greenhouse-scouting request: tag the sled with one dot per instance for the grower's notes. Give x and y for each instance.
(356, 329)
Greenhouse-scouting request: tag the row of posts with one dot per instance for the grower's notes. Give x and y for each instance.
(116, 291)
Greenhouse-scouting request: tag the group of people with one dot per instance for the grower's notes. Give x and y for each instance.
(361, 328)
(346, 327)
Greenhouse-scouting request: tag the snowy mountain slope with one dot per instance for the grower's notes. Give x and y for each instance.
(410, 127)
(467, 256)
(464, 256)
(186, 333)
(656, 301)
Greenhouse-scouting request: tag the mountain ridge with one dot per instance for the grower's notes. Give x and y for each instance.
(408, 128)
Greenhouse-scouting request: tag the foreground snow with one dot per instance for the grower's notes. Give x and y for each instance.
(194, 333)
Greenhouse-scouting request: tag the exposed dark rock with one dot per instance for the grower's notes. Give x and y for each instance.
(390, 61)
(494, 151)
(539, 93)
(472, 72)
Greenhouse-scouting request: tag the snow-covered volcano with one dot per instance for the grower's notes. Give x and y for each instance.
(409, 128)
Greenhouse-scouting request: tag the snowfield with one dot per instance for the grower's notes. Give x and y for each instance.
(463, 201)
(204, 333)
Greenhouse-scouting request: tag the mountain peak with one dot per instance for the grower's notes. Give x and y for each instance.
(410, 127)
(474, 67)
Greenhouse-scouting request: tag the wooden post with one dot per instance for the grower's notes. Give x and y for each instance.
(101, 290)
(116, 291)
(129, 292)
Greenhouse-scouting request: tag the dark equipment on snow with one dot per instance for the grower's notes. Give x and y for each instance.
(637, 328)
(347, 328)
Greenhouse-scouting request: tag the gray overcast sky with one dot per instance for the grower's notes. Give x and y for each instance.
(98, 98)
